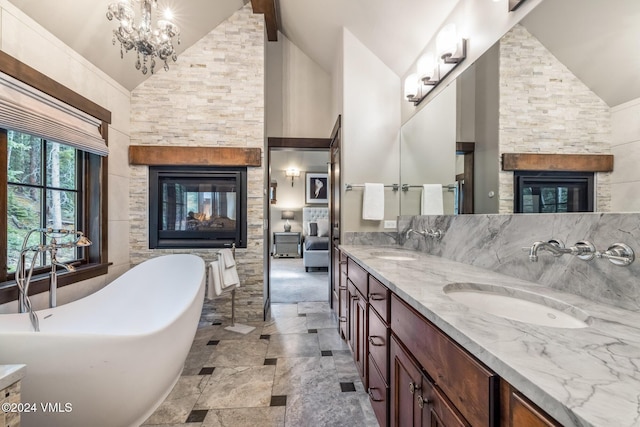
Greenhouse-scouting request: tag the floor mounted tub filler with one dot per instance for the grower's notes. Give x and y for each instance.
(111, 358)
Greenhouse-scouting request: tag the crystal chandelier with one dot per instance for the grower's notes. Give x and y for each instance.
(149, 42)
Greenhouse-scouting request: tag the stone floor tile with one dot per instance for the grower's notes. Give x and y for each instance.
(279, 311)
(233, 353)
(313, 307)
(240, 387)
(293, 345)
(322, 321)
(329, 339)
(246, 417)
(285, 325)
(305, 374)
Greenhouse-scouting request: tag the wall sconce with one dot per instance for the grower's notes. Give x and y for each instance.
(292, 173)
(287, 215)
(451, 51)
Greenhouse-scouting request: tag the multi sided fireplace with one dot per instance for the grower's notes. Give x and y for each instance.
(197, 207)
(548, 192)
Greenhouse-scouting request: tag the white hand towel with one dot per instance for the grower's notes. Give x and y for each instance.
(227, 257)
(373, 202)
(229, 277)
(215, 283)
(431, 200)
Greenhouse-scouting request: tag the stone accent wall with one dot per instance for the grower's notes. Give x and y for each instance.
(212, 96)
(545, 108)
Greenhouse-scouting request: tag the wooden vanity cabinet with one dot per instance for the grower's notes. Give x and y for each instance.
(518, 411)
(415, 374)
(470, 386)
(415, 400)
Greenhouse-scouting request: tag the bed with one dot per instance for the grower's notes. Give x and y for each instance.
(315, 232)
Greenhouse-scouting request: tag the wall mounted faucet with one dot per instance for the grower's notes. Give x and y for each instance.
(583, 250)
(618, 254)
(430, 232)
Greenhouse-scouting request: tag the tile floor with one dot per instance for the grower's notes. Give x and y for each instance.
(293, 370)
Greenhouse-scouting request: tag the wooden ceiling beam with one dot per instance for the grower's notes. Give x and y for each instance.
(268, 8)
(557, 162)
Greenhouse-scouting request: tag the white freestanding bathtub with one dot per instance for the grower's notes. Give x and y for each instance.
(111, 358)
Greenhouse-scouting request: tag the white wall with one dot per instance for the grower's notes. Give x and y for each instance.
(27, 41)
(428, 151)
(625, 147)
(370, 131)
(306, 94)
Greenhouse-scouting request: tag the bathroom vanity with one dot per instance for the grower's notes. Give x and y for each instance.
(428, 360)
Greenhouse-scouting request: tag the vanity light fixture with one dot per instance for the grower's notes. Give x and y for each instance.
(451, 51)
(292, 173)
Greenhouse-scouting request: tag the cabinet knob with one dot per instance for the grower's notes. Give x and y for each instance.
(342, 288)
(413, 387)
(343, 319)
(422, 401)
(373, 399)
(376, 297)
(343, 262)
(372, 341)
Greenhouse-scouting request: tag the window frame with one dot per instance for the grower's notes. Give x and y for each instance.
(94, 187)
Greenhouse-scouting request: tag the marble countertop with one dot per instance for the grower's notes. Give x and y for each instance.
(9, 374)
(581, 377)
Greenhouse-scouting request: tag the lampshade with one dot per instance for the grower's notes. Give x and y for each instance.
(426, 67)
(287, 215)
(292, 172)
(447, 41)
(411, 86)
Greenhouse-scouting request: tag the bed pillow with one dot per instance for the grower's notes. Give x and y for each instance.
(313, 229)
(323, 227)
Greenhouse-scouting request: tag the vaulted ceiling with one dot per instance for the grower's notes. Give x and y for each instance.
(598, 40)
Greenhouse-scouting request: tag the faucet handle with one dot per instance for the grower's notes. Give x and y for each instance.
(618, 254)
(584, 250)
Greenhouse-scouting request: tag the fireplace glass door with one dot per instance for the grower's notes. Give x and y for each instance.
(552, 192)
(197, 208)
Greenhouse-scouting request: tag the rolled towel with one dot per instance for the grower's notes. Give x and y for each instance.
(215, 280)
(431, 200)
(373, 202)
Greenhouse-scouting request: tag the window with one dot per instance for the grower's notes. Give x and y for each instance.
(53, 173)
(43, 191)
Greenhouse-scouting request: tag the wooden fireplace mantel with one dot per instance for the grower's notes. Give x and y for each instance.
(557, 162)
(163, 155)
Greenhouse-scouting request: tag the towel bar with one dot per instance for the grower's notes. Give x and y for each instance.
(349, 187)
(449, 187)
(233, 291)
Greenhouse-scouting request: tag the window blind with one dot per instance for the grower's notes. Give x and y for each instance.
(28, 110)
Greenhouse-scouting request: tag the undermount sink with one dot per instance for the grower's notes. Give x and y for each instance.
(394, 256)
(516, 304)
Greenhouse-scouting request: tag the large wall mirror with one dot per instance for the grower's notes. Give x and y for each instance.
(549, 86)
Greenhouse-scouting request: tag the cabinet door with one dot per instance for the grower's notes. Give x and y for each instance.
(520, 411)
(435, 409)
(406, 381)
(358, 329)
(343, 297)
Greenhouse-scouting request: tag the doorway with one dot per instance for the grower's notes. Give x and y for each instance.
(297, 171)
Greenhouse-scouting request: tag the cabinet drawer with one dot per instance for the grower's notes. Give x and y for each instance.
(287, 239)
(379, 343)
(358, 276)
(379, 296)
(471, 387)
(378, 394)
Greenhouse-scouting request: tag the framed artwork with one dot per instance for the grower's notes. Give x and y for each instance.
(317, 188)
